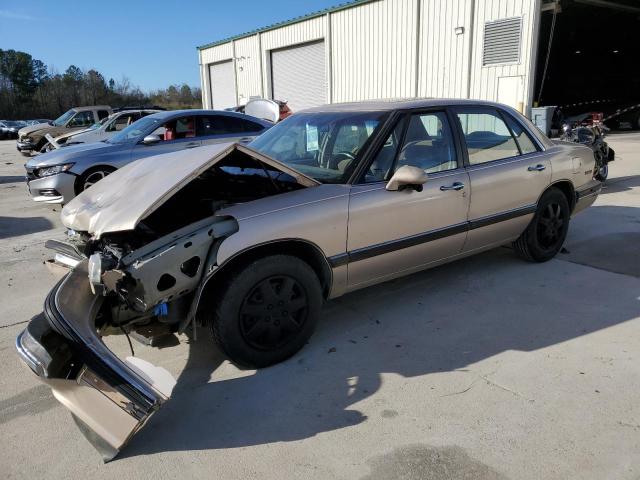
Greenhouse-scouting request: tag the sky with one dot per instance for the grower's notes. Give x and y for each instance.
(153, 43)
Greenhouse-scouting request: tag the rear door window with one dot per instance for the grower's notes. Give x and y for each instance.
(239, 125)
(523, 138)
(210, 125)
(486, 135)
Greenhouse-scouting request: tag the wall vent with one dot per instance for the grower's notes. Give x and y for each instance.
(502, 39)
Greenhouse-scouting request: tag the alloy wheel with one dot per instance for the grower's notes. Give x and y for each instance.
(93, 178)
(550, 226)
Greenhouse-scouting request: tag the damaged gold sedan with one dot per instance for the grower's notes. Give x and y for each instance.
(248, 241)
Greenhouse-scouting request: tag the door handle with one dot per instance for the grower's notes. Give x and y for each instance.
(454, 186)
(536, 168)
(192, 145)
(245, 139)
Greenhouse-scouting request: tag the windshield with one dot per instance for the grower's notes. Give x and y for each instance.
(324, 145)
(64, 118)
(135, 130)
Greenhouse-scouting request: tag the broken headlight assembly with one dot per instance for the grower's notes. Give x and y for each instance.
(98, 264)
(95, 271)
(53, 170)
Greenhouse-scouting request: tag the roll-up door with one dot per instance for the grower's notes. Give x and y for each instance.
(298, 75)
(223, 85)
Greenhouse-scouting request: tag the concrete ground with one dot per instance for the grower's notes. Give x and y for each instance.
(488, 368)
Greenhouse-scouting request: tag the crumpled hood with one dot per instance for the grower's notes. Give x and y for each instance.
(119, 201)
(68, 154)
(33, 128)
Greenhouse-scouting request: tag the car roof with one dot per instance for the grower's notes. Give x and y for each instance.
(167, 115)
(137, 110)
(397, 104)
(94, 107)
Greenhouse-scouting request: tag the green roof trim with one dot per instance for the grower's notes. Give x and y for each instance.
(337, 8)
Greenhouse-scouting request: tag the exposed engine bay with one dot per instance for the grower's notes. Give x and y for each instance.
(153, 273)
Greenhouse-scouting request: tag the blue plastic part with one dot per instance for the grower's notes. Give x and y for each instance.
(161, 310)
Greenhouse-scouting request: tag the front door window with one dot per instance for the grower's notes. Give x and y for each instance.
(81, 119)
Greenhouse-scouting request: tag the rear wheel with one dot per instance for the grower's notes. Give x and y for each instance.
(267, 311)
(544, 236)
(602, 172)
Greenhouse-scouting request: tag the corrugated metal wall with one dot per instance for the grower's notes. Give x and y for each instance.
(374, 51)
(444, 55)
(485, 79)
(391, 49)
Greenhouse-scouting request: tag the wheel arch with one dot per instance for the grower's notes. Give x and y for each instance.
(302, 249)
(92, 168)
(566, 187)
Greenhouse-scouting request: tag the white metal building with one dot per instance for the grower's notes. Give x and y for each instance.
(371, 49)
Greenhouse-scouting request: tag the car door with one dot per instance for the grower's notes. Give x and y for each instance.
(508, 172)
(226, 128)
(176, 134)
(392, 233)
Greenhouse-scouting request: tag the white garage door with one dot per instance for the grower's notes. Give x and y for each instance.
(298, 75)
(223, 85)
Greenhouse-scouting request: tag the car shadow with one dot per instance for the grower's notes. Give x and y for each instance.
(11, 179)
(620, 184)
(16, 226)
(441, 320)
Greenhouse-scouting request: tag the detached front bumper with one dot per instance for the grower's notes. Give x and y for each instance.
(110, 399)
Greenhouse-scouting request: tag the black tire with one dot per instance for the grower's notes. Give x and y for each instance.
(254, 323)
(544, 236)
(91, 176)
(602, 171)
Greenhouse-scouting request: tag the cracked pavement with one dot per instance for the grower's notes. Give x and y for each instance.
(487, 368)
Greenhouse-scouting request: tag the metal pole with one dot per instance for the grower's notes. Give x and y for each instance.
(472, 31)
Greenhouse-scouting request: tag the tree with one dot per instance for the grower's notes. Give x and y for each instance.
(96, 88)
(186, 97)
(30, 89)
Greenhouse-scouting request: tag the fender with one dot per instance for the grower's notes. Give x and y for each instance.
(326, 273)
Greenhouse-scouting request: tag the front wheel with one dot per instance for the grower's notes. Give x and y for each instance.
(90, 177)
(267, 311)
(544, 236)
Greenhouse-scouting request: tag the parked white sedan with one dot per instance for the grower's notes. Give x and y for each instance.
(100, 131)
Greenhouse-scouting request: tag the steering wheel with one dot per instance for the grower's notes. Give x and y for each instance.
(339, 157)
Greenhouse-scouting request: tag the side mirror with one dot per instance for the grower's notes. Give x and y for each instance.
(151, 139)
(407, 177)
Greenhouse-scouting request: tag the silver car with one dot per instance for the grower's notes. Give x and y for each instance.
(249, 241)
(59, 175)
